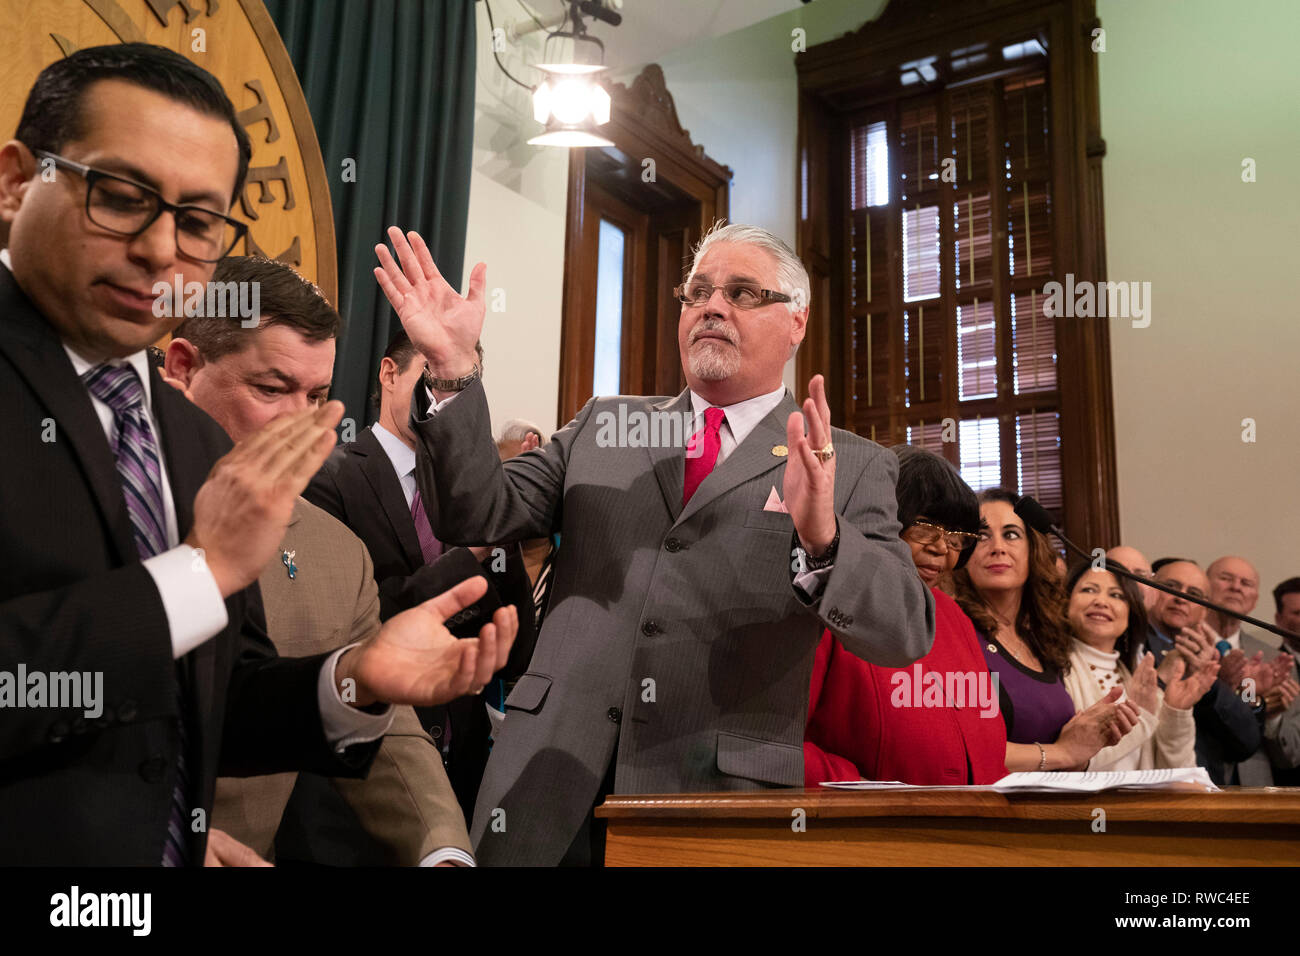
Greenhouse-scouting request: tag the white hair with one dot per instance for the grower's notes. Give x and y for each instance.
(791, 276)
(516, 429)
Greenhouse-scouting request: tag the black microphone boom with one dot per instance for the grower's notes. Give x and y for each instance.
(1040, 519)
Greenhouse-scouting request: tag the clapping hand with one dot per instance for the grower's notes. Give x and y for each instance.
(1183, 690)
(414, 659)
(1101, 725)
(809, 484)
(1142, 687)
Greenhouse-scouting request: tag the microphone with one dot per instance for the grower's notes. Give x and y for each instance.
(1040, 519)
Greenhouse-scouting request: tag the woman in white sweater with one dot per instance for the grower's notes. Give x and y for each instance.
(1107, 621)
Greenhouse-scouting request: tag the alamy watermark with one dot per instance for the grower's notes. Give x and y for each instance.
(59, 690)
(639, 428)
(1088, 300)
(232, 300)
(963, 689)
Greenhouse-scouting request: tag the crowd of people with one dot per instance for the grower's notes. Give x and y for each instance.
(436, 646)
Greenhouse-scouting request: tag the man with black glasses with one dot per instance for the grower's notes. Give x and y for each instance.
(131, 534)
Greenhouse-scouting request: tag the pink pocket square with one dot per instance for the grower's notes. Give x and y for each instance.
(774, 503)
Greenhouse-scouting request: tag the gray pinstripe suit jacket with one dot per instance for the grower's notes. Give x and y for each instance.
(675, 635)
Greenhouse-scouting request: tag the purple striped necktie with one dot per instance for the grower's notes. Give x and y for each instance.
(430, 546)
(118, 387)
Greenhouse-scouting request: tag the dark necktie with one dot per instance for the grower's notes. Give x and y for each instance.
(702, 451)
(118, 387)
(430, 547)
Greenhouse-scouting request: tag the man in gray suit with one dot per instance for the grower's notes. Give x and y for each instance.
(1234, 583)
(693, 579)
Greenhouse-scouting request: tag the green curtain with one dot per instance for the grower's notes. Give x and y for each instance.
(390, 84)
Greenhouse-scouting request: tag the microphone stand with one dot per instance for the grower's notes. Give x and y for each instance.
(1038, 518)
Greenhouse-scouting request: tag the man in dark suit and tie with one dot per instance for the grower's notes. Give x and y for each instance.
(132, 534)
(693, 580)
(370, 485)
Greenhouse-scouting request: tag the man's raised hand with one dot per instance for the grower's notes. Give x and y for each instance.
(443, 325)
(809, 484)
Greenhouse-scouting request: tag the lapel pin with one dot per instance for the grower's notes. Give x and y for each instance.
(780, 451)
(286, 558)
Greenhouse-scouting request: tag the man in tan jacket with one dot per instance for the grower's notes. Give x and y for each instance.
(319, 591)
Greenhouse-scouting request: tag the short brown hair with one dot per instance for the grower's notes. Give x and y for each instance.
(285, 298)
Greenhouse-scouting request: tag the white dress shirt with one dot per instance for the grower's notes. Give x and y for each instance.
(402, 458)
(190, 597)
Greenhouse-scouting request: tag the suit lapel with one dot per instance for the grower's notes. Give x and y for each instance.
(382, 478)
(751, 458)
(33, 347)
(669, 462)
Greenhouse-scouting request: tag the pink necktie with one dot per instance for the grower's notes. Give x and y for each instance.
(700, 462)
(430, 547)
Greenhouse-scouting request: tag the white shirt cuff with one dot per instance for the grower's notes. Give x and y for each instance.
(495, 719)
(344, 724)
(448, 854)
(190, 597)
(811, 583)
(436, 406)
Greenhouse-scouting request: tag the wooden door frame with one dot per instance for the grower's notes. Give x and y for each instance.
(643, 126)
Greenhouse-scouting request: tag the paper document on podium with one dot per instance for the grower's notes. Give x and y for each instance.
(1060, 781)
(896, 785)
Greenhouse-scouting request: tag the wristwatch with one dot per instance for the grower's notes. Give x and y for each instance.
(453, 384)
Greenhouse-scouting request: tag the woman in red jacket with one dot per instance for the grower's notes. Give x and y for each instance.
(935, 722)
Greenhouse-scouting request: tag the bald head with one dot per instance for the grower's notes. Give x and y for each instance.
(1234, 583)
(1172, 613)
(1137, 562)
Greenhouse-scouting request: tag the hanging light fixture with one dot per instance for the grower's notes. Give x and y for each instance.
(570, 102)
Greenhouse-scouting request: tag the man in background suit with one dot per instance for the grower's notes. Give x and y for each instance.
(1228, 729)
(319, 588)
(123, 560)
(1234, 583)
(370, 485)
(692, 582)
(1286, 606)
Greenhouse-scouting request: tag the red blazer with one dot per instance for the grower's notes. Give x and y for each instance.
(888, 723)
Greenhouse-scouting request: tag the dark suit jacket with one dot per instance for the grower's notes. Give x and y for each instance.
(74, 596)
(358, 486)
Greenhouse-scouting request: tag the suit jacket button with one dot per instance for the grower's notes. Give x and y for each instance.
(649, 628)
(614, 714)
(673, 545)
(58, 731)
(435, 731)
(126, 711)
(152, 769)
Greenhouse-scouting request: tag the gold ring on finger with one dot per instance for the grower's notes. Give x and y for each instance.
(825, 454)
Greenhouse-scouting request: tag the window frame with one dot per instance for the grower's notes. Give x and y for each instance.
(845, 79)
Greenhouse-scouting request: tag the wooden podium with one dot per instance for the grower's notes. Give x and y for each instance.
(824, 827)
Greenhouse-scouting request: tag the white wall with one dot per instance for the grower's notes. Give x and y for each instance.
(1185, 96)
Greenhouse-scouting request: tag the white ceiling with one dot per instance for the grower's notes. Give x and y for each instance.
(652, 28)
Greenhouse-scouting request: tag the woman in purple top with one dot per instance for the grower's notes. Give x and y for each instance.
(1012, 590)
